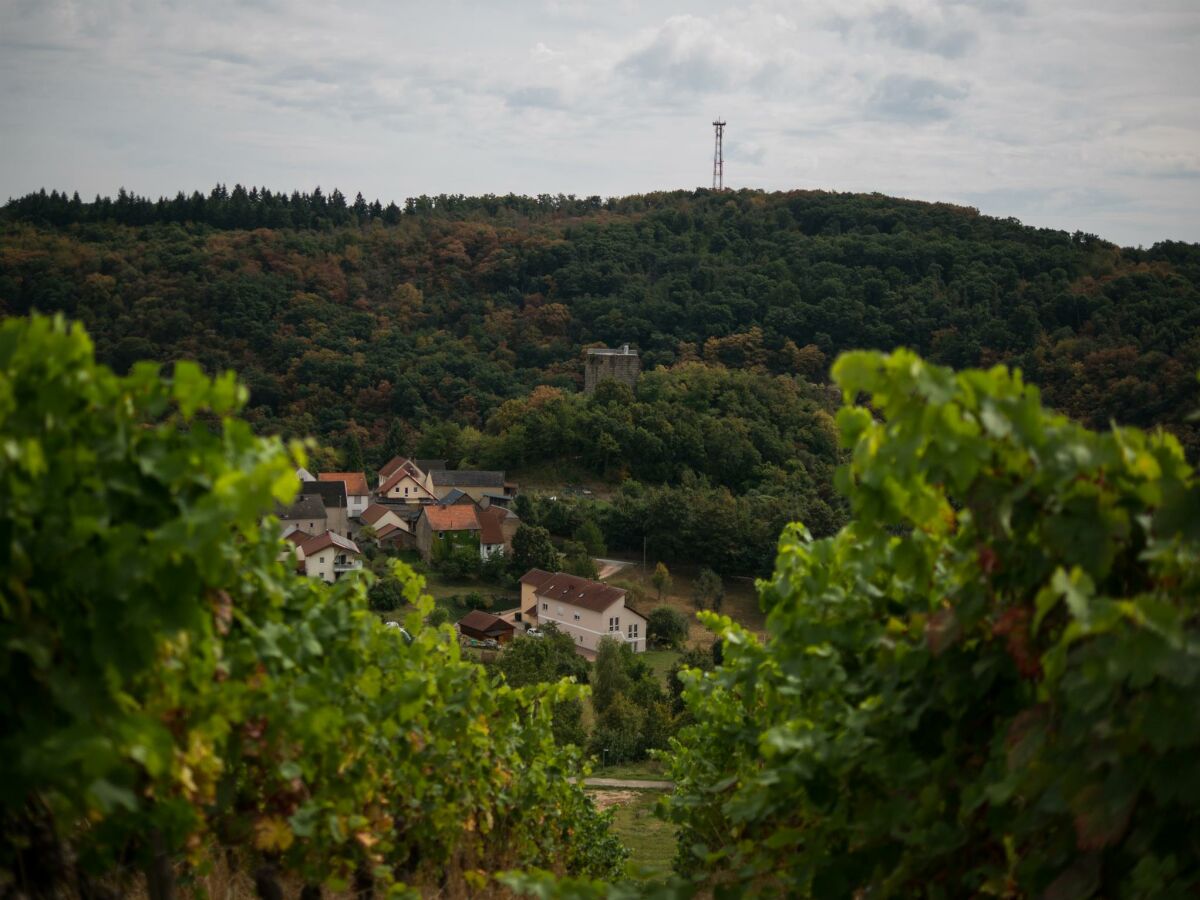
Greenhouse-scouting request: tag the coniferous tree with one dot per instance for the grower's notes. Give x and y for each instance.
(397, 442)
(354, 455)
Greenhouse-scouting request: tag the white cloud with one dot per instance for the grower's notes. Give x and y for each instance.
(1079, 114)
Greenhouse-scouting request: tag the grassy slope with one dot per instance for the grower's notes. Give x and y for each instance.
(650, 840)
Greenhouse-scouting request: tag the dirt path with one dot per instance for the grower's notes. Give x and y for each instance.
(610, 567)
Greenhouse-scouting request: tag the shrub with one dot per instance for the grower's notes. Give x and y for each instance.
(987, 683)
(666, 627)
(170, 685)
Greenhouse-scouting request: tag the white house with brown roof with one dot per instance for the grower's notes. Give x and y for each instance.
(358, 494)
(329, 556)
(497, 526)
(587, 610)
(403, 480)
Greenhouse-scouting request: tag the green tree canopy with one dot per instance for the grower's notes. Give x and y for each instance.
(666, 627)
(708, 591)
(533, 549)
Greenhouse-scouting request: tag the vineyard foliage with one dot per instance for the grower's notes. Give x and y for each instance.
(988, 683)
(172, 688)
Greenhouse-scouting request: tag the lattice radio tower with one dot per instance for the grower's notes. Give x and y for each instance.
(719, 157)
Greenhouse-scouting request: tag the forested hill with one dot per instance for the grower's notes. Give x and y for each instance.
(350, 315)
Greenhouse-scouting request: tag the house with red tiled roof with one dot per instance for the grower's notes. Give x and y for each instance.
(329, 556)
(358, 492)
(441, 528)
(497, 526)
(587, 610)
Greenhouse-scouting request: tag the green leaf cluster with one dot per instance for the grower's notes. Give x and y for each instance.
(172, 687)
(988, 683)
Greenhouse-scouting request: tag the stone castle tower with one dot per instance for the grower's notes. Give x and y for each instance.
(619, 365)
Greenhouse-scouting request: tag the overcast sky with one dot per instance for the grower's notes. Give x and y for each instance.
(1075, 114)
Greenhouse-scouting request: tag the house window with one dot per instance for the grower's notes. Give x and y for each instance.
(406, 492)
(545, 607)
(614, 624)
(576, 617)
(633, 632)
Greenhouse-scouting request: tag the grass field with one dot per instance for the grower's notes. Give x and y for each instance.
(740, 602)
(646, 770)
(650, 840)
(661, 662)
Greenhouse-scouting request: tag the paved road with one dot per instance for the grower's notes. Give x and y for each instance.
(633, 783)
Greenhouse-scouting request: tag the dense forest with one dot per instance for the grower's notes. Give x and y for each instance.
(456, 326)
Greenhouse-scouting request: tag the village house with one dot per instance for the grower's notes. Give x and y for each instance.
(456, 497)
(441, 528)
(403, 481)
(332, 495)
(482, 626)
(329, 556)
(469, 481)
(292, 551)
(587, 610)
(497, 526)
(358, 493)
(392, 524)
(307, 514)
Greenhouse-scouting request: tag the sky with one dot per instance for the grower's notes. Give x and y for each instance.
(1074, 114)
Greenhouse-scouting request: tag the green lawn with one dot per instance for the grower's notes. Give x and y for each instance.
(646, 770)
(650, 840)
(661, 662)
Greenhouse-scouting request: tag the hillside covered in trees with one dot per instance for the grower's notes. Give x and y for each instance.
(455, 327)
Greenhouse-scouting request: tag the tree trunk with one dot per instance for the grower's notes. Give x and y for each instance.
(160, 877)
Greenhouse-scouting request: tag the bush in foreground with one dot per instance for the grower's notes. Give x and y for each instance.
(987, 684)
(170, 687)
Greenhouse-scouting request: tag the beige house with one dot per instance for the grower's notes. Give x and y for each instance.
(474, 483)
(587, 610)
(405, 482)
(329, 556)
(391, 524)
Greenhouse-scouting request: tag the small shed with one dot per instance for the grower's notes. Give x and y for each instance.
(484, 626)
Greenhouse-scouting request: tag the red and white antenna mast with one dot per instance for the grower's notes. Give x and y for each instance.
(719, 157)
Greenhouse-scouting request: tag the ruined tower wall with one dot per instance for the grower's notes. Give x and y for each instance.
(620, 365)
